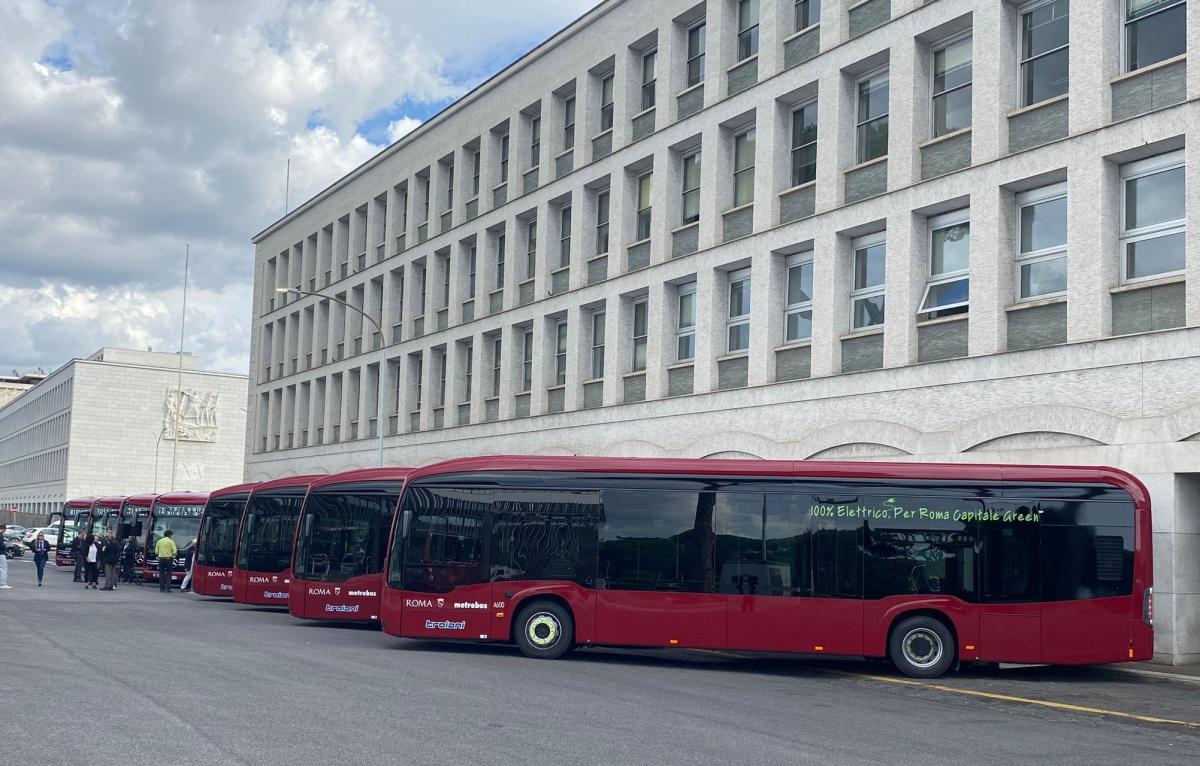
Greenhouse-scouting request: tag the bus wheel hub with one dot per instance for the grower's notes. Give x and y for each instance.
(542, 630)
(922, 647)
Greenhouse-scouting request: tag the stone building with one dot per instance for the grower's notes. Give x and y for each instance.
(942, 231)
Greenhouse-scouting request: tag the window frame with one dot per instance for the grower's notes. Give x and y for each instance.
(526, 361)
(603, 211)
(1126, 28)
(934, 95)
(860, 123)
(535, 141)
(682, 331)
(808, 8)
(442, 364)
(732, 278)
(598, 328)
(639, 341)
(798, 260)
(1130, 171)
(695, 155)
(476, 163)
(749, 134)
(747, 35)
(607, 91)
(568, 122)
(472, 275)
(645, 214)
(564, 236)
(531, 249)
(649, 87)
(1022, 11)
(1030, 199)
(449, 186)
(697, 56)
(504, 148)
(497, 365)
(857, 245)
(560, 352)
(501, 256)
(934, 224)
(420, 382)
(795, 149)
(469, 372)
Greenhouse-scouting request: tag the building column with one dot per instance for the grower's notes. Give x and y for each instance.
(996, 88)
(835, 138)
(1095, 49)
(774, 25)
(716, 184)
(543, 369)
(720, 48)
(904, 113)
(583, 231)
(510, 369)
(1093, 226)
(579, 357)
(1191, 213)
(904, 281)
(991, 263)
(772, 162)
(455, 380)
(711, 286)
(765, 272)
(666, 186)
(656, 368)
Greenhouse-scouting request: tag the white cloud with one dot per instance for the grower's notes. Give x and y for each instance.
(173, 123)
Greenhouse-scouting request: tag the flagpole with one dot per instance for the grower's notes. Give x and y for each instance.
(187, 255)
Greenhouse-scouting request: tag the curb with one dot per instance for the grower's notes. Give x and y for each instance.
(1187, 679)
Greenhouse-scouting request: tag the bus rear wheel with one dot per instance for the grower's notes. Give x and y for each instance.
(922, 647)
(544, 630)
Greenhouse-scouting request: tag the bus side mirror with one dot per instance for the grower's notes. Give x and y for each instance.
(405, 520)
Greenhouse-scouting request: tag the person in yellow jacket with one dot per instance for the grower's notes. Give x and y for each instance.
(165, 550)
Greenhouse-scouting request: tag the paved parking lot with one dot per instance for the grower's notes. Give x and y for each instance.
(119, 676)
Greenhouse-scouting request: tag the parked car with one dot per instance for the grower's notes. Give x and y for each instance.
(13, 548)
(51, 534)
(15, 530)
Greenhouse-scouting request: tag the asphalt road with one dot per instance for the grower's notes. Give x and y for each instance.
(136, 676)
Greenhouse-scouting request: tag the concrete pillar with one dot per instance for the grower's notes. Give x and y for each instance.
(904, 280)
(1095, 40)
(995, 87)
(904, 113)
(835, 134)
(992, 249)
(772, 162)
(1192, 210)
(510, 372)
(711, 289)
(543, 368)
(716, 184)
(1093, 226)
(666, 186)
(831, 302)
(656, 370)
(765, 272)
(579, 358)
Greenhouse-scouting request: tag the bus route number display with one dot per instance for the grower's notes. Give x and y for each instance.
(179, 511)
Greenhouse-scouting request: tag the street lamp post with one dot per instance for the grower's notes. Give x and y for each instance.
(382, 357)
(157, 444)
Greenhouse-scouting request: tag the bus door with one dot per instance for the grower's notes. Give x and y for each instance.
(1010, 612)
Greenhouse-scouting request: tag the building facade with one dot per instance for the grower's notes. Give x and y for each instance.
(960, 230)
(12, 386)
(103, 425)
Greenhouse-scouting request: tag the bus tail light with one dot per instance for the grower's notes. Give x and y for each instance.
(1148, 606)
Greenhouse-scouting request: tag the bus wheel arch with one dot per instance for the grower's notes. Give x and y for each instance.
(543, 627)
(922, 643)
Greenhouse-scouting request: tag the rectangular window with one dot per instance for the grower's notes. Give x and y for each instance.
(504, 158)
(738, 324)
(1042, 247)
(496, 367)
(425, 199)
(420, 382)
(560, 354)
(797, 316)
(804, 144)
(948, 289)
(695, 55)
(1152, 218)
(602, 222)
(441, 397)
(530, 249)
(445, 267)
(475, 173)
(535, 142)
(606, 102)
(640, 333)
(649, 59)
(422, 279)
(569, 123)
(598, 345)
(685, 323)
(470, 370)
(872, 122)
(1155, 30)
(952, 87)
(449, 186)
(1044, 53)
(472, 263)
(866, 295)
(807, 13)
(645, 185)
(747, 39)
(564, 236)
(500, 255)
(527, 361)
(691, 188)
(743, 168)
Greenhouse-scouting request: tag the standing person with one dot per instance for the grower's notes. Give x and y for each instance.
(41, 553)
(110, 556)
(128, 559)
(92, 562)
(4, 559)
(188, 562)
(78, 552)
(165, 550)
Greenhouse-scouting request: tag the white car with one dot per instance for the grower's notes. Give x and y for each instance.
(50, 533)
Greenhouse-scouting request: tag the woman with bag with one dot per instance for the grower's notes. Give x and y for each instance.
(91, 562)
(41, 553)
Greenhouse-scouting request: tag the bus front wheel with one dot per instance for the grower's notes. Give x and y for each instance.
(922, 647)
(544, 630)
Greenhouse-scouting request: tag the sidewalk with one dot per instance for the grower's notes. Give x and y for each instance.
(1189, 673)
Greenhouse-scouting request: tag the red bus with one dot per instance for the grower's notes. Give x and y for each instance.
(212, 570)
(927, 565)
(76, 515)
(263, 556)
(106, 515)
(179, 512)
(341, 544)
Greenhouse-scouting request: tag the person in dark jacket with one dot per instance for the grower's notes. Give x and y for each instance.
(79, 553)
(110, 555)
(128, 560)
(41, 553)
(91, 562)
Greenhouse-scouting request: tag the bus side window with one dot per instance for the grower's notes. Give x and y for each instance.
(545, 535)
(1011, 559)
(445, 541)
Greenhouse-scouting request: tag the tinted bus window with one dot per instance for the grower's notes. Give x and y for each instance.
(837, 539)
(444, 548)
(658, 540)
(1086, 562)
(1011, 559)
(343, 535)
(266, 541)
(921, 545)
(545, 535)
(220, 533)
(182, 520)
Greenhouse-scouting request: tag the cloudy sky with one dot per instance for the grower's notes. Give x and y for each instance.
(130, 128)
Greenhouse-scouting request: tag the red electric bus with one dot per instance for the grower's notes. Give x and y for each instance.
(106, 514)
(263, 556)
(341, 544)
(927, 565)
(179, 512)
(212, 571)
(76, 515)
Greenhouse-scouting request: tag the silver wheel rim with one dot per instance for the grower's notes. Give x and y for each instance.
(543, 630)
(922, 647)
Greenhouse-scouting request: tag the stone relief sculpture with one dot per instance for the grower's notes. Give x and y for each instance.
(197, 415)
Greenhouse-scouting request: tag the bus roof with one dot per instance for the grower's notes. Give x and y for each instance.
(800, 468)
(110, 502)
(141, 500)
(80, 502)
(236, 489)
(287, 482)
(183, 498)
(390, 473)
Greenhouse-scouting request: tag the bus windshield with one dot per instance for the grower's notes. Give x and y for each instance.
(182, 520)
(344, 535)
(219, 534)
(265, 544)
